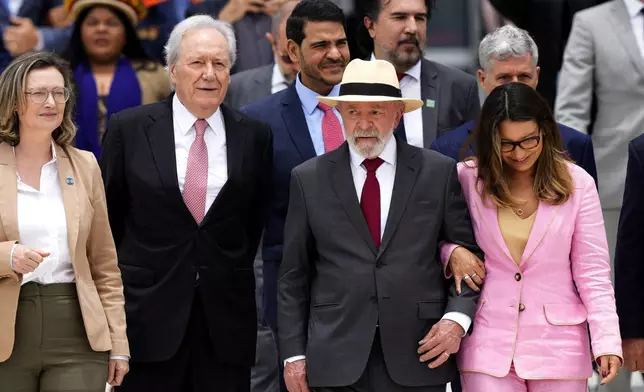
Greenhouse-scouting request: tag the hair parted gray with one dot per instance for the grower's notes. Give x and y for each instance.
(199, 22)
(505, 42)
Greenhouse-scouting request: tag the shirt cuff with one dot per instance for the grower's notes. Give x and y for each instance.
(40, 45)
(121, 357)
(459, 318)
(293, 359)
(11, 256)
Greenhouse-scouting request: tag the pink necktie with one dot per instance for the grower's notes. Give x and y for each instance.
(194, 190)
(331, 129)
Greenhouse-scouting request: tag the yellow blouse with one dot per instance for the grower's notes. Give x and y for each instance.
(515, 231)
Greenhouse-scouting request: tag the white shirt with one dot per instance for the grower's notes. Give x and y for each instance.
(215, 137)
(410, 88)
(386, 174)
(42, 226)
(278, 81)
(634, 8)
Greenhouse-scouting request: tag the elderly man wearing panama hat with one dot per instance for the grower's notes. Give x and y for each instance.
(363, 304)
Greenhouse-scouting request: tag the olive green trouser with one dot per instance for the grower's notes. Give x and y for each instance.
(51, 352)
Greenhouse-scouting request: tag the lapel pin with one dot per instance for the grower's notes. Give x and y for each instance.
(69, 181)
(430, 103)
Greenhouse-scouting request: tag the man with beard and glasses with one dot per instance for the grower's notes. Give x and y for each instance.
(363, 303)
(302, 127)
(398, 29)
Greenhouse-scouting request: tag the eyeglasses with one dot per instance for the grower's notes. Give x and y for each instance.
(61, 95)
(527, 144)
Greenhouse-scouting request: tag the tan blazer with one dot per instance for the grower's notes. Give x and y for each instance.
(91, 246)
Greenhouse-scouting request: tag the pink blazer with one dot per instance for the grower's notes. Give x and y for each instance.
(531, 314)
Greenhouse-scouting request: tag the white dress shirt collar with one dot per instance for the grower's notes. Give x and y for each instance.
(278, 80)
(388, 154)
(53, 157)
(186, 120)
(414, 71)
(634, 7)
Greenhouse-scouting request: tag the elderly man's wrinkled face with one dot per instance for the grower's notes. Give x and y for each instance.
(202, 73)
(368, 126)
(510, 70)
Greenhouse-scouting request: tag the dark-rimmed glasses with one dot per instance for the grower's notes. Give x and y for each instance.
(39, 96)
(527, 144)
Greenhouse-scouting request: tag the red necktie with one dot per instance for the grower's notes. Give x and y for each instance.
(194, 190)
(370, 199)
(400, 76)
(331, 129)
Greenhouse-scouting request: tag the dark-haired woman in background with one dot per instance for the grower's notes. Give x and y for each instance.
(537, 217)
(111, 70)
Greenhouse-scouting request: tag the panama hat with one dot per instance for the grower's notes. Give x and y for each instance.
(135, 10)
(371, 81)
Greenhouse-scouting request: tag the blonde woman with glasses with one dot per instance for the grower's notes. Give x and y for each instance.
(62, 317)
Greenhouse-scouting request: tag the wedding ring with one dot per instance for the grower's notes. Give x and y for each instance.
(446, 353)
(473, 275)
(466, 277)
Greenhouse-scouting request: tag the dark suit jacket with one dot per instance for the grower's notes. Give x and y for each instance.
(248, 86)
(292, 146)
(578, 145)
(335, 286)
(160, 246)
(549, 23)
(629, 252)
(455, 95)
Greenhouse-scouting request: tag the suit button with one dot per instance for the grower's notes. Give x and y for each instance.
(374, 299)
(521, 307)
(380, 264)
(517, 276)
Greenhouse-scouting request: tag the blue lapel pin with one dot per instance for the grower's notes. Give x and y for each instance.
(69, 181)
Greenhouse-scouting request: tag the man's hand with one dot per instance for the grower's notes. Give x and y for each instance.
(443, 340)
(466, 267)
(272, 6)
(295, 376)
(21, 37)
(235, 10)
(634, 354)
(117, 369)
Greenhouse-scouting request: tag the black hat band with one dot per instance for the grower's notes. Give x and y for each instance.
(370, 89)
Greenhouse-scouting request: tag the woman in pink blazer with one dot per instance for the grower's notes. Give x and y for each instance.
(537, 218)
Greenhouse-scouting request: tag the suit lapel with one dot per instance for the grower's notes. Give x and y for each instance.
(622, 24)
(343, 185)
(429, 87)
(69, 186)
(546, 213)
(9, 192)
(407, 167)
(295, 122)
(160, 134)
(235, 145)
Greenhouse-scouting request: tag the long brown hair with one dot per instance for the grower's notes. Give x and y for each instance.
(13, 82)
(519, 102)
